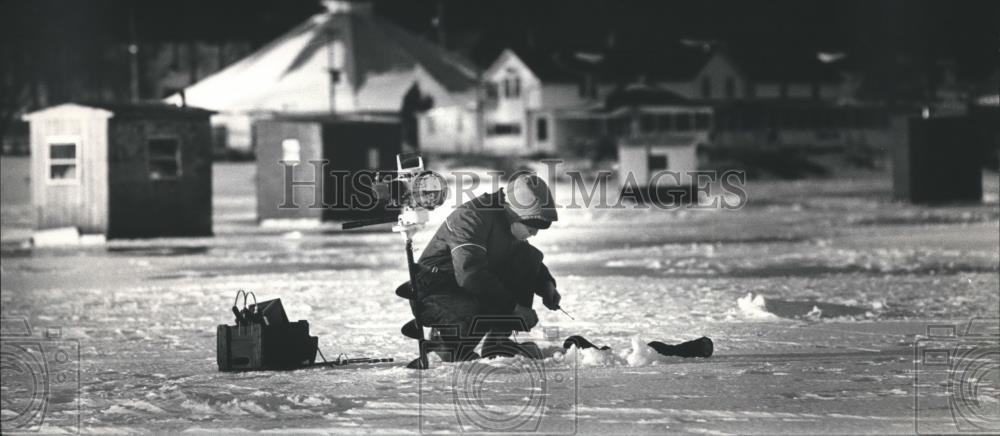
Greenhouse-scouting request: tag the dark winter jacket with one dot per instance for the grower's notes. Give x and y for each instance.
(474, 243)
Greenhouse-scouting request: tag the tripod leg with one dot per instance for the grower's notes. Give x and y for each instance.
(421, 361)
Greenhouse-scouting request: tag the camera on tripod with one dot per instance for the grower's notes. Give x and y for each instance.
(416, 191)
(411, 185)
(411, 188)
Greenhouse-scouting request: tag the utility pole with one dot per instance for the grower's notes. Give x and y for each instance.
(439, 24)
(133, 56)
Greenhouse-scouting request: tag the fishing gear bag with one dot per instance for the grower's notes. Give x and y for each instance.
(263, 338)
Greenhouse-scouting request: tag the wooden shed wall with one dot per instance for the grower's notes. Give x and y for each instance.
(941, 163)
(347, 145)
(142, 207)
(268, 137)
(82, 204)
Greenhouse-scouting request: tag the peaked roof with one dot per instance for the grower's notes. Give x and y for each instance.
(372, 47)
(680, 62)
(782, 65)
(130, 110)
(615, 66)
(670, 62)
(559, 66)
(641, 94)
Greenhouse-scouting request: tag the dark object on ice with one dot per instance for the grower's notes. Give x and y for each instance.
(263, 338)
(258, 347)
(342, 360)
(270, 312)
(701, 347)
(805, 309)
(940, 163)
(581, 343)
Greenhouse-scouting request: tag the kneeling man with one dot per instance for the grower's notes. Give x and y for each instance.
(478, 275)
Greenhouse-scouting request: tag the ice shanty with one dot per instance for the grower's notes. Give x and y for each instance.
(658, 134)
(320, 154)
(939, 162)
(122, 170)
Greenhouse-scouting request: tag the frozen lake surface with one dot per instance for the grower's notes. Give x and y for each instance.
(815, 295)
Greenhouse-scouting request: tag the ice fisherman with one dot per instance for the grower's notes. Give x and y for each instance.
(478, 275)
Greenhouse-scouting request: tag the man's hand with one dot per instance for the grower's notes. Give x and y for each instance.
(527, 314)
(551, 298)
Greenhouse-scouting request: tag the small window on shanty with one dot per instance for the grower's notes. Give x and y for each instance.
(706, 87)
(373, 158)
(542, 129)
(291, 151)
(164, 158)
(63, 160)
(730, 88)
(657, 162)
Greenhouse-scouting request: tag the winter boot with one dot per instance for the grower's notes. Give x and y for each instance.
(451, 348)
(581, 343)
(499, 345)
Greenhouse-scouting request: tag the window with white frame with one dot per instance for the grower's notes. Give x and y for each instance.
(164, 158)
(291, 151)
(512, 85)
(63, 159)
(501, 129)
(657, 162)
(542, 129)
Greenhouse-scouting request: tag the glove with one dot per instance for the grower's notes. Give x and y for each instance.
(551, 298)
(527, 314)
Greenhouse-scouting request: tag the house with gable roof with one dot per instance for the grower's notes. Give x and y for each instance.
(530, 103)
(711, 71)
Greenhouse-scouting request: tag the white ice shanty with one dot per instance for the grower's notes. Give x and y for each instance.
(659, 134)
